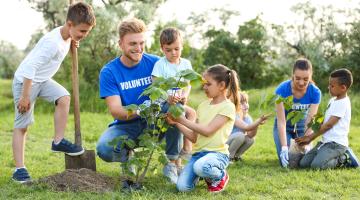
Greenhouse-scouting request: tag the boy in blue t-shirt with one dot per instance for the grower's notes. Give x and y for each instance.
(168, 66)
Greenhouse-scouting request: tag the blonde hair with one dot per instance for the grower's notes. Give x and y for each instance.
(133, 25)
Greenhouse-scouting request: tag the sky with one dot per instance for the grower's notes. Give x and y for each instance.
(18, 20)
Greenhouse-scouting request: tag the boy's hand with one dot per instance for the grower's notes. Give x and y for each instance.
(23, 105)
(173, 99)
(303, 140)
(75, 44)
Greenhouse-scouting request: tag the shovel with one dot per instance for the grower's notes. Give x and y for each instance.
(87, 159)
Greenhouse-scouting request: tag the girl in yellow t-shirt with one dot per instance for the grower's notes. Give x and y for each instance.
(215, 120)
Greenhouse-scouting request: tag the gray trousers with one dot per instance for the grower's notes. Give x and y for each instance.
(323, 156)
(238, 143)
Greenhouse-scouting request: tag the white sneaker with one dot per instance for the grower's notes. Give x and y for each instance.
(170, 171)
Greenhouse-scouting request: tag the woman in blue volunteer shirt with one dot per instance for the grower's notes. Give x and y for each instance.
(306, 96)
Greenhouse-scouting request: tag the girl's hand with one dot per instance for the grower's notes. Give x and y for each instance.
(263, 118)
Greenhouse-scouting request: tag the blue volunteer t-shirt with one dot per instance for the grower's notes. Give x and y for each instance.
(312, 96)
(116, 79)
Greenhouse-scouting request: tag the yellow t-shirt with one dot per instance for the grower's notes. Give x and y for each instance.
(206, 113)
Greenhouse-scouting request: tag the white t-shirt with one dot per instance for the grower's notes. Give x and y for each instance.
(45, 58)
(163, 68)
(339, 132)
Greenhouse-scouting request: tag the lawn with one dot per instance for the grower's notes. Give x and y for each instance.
(257, 177)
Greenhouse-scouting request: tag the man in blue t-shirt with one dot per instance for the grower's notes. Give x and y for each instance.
(122, 80)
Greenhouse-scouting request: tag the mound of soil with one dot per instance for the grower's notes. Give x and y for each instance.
(79, 180)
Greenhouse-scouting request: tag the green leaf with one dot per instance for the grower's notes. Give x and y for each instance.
(290, 115)
(176, 110)
(298, 116)
(130, 143)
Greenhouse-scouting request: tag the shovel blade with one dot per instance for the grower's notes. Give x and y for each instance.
(86, 160)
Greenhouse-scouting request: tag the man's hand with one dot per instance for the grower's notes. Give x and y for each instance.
(304, 140)
(23, 105)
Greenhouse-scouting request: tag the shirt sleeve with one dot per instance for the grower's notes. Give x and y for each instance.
(338, 109)
(107, 84)
(229, 111)
(316, 95)
(42, 55)
(157, 70)
(280, 90)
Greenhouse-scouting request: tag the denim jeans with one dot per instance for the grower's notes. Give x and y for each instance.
(290, 134)
(205, 164)
(133, 130)
(323, 156)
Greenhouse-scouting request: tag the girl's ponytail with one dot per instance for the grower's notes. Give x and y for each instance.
(220, 73)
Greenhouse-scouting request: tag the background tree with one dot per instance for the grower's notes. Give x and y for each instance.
(10, 58)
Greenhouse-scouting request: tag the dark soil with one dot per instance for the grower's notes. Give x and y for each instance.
(79, 180)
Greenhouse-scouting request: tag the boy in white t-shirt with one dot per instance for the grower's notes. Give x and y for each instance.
(168, 66)
(333, 151)
(33, 79)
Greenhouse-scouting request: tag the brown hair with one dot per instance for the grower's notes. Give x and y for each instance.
(81, 12)
(343, 76)
(133, 25)
(169, 35)
(302, 64)
(221, 73)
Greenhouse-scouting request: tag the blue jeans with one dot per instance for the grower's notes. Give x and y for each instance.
(290, 134)
(205, 164)
(133, 130)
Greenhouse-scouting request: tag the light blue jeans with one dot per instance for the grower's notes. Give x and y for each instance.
(205, 164)
(133, 130)
(290, 134)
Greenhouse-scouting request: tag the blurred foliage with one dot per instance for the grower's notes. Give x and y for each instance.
(10, 57)
(261, 53)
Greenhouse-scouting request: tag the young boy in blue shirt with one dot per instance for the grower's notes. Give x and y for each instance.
(33, 79)
(328, 153)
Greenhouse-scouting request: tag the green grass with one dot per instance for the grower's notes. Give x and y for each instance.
(258, 177)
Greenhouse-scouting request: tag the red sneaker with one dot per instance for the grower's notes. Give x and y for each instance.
(218, 186)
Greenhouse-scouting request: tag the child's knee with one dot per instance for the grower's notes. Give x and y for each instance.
(249, 141)
(63, 101)
(201, 169)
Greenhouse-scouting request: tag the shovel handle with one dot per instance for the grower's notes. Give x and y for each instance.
(75, 85)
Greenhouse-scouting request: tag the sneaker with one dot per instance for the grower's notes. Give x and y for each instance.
(235, 159)
(67, 147)
(353, 161)
(21, 175)
(170, 171)
(179, 169)
(185, 154)
(217, 186)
